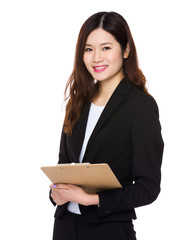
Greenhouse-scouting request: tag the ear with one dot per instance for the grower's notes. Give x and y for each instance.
(127, 51)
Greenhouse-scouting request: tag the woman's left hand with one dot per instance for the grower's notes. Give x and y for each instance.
(63, 193)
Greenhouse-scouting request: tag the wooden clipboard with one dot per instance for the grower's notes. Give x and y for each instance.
(91, 177)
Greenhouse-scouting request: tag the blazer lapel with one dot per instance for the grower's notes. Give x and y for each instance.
(77, 138)
(113, 104)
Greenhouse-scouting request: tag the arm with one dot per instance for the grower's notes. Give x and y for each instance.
(147, 147)
(63, 193)
(63, 152)
(63, 158)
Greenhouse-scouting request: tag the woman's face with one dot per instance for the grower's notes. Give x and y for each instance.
(103, 56)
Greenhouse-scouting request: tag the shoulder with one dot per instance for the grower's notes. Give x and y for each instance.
(141, 100)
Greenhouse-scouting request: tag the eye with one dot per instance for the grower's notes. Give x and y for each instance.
(88, 49)
(106, 48)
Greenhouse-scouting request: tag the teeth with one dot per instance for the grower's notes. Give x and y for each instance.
(98, 68)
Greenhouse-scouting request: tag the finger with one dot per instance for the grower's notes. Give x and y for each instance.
(52, 186)
(60, 202)
(66, 186)
(56, 198)
(57, 186)
(59, 192)
(61, 185)
(54, 195)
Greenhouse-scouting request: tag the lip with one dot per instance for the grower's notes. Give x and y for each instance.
(100, 68)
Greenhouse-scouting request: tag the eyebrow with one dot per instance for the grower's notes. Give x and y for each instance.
(105, 43)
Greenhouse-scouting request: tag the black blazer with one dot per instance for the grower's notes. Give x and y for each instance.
(127, 137)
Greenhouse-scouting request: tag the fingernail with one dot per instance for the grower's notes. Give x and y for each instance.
(54, 186)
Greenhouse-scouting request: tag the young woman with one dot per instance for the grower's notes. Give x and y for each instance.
(110, 118)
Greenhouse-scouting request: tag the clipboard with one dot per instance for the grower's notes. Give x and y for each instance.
(91, 177)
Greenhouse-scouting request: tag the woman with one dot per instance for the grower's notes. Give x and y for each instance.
(110, 118)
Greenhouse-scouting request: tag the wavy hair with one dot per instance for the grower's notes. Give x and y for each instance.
(81, 85)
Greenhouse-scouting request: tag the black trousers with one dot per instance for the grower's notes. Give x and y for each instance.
(74, 227)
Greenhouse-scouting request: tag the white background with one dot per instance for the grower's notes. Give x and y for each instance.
(37, 44)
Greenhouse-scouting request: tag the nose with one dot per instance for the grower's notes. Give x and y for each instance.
(97, 56)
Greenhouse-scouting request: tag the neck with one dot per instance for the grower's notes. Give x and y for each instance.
(106, 89)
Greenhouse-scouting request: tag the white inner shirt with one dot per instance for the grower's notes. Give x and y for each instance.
(94, 114)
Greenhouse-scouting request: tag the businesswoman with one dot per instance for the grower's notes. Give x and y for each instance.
(110, 118)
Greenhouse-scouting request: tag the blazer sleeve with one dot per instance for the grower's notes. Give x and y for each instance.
(63, 153)
(147, 151)
(63, 157)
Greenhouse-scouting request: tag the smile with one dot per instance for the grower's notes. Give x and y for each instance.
(99, 69)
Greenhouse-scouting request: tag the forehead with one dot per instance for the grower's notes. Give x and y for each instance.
(100, 36)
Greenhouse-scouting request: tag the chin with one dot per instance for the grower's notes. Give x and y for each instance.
(100, 78)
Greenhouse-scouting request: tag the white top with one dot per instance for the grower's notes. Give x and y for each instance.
(94, 114)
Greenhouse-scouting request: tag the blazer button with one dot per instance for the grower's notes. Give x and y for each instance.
(108, 211)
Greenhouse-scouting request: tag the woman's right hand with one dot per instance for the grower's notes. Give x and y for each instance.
(63, 193)
(57, 196)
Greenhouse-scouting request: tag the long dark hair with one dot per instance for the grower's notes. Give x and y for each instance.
(81, 84)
